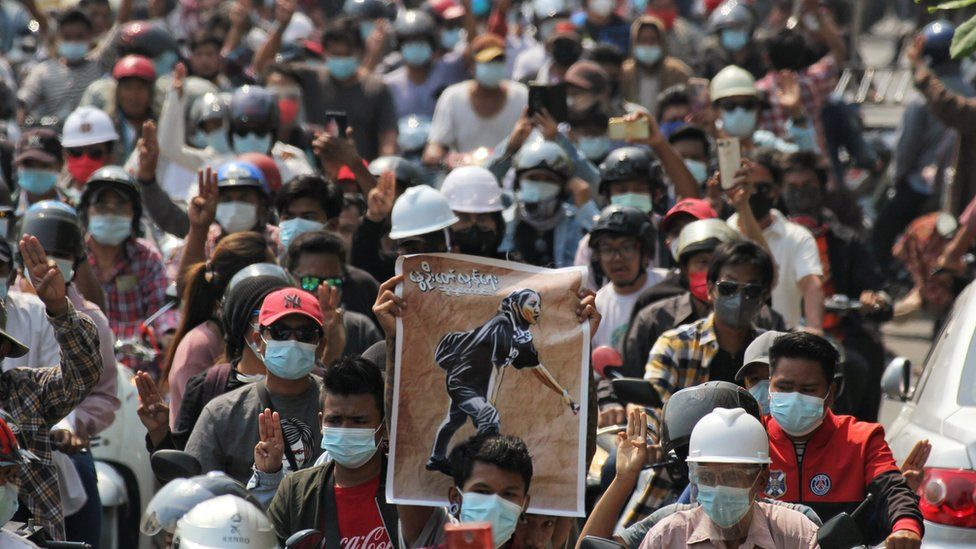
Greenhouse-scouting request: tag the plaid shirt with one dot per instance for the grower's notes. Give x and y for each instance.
(681, 356)
(816, 84)
(135, 287)
(37, 398)
(654, 490)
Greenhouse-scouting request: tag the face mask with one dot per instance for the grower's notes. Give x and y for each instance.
(648, 55)
(760, 204)
(366, 29)
(250, 378)
(291, 228)
(235, 217)
(475, 241)
(350, 448)
(796, 413)
(450, 38)
(593, 147)
(252, 143)
(289, 359)
(416, 53)
(9, 502)
(638, 6)
(724, 505)
(532, 192)
(490, 75)
(640, 201)
(739, 122)
(81, 167)
(805, 200)
(73, 51)
(602, 8)
(565, 52)
(164, 62)
(736, 311)
(501, 513)
(698, 286)
(342, 67)
(67, 268)
(36, 182)
(734, 40)
(760, 391)
(216, 140)
(698, 170)
(288, 110)
(110, 230)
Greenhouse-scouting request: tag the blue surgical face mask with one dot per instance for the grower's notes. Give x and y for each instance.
(289, 359)
(416, 53)
(164, 62)
(503, 515)
(760, 391)
(739, 122)
(734, 40)
(450, 38)
(798, 414)
(36, 182)
(72, 51)
(725, 505)
(252, 143)
(9, 502)
(290, 228)
(349, 447)
(648, 55)
(110, 230)
(640, 201)
(531, 192)
(366, 29)
(216, 140)
(594, 147)
(491, 74)
(342, 67)
(698, 169)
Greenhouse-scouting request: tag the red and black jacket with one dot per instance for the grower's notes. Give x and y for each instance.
(843, 461)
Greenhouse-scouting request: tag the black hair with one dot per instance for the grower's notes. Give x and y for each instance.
(768, 158)
(690, 132)
(285, 70)
(203, 37)
(788, 50)
(354, 375)
(605, 53)
(742, 252)
(315, 187)
(590, 118)
(343, 30)
(801, 161)
(75, 16)
(506, 452)
(88, 3)
(675, 95)
(806, 346)
(315, 242)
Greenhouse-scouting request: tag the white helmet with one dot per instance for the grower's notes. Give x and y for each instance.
(87, 126)
(471, 189)
(732, 81)
(420, 210)
(299, 28)
(728, 436)
(225, 522)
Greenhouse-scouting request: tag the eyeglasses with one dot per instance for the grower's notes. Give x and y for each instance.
(311, 283)
(304, 334)
(727, 288)
(737, 478)
(732, 104)
(625, 252)
(95, 153)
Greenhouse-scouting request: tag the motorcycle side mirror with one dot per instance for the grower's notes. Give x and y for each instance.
(168, 465)
(593, 542)
(896, 380)
(305, 539)
(840, 532)
(636, 391)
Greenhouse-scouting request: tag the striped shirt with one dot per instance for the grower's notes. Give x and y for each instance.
(53, 88)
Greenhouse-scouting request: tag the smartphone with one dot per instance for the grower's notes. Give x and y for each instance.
(617, 129)
(729, 160)
(471, 535)
(551, 97)
(620, 129)
(336, 122)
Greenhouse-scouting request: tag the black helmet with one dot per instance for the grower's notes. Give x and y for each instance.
(117, 179)
(407, 173)
(543, 155)
(56, 226)
(414, 23)
(253, 105)
(629, 163)
(685, 407)
(368, 9)
(145, 38)
(624, 221)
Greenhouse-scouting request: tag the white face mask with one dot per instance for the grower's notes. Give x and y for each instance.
(602, 8)
(237, 216)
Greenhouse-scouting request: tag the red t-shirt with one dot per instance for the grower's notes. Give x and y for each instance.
(360, 523)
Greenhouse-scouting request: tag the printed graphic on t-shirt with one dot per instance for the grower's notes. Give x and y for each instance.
(376, 539)
(360, 523)
(298, 436)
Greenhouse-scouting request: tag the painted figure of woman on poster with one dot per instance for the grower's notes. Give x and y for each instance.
(475, 360)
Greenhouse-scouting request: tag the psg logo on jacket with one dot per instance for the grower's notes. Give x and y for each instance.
(820, 484)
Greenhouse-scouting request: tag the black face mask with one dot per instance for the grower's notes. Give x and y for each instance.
(475, 241)
(760, 204)
(804, 201)
(566, 52)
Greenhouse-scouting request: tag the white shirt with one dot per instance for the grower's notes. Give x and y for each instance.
(616, 308)
(27, 323)
(796, 256)
(456, 126)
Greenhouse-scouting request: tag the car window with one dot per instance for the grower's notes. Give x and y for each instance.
(942, 348)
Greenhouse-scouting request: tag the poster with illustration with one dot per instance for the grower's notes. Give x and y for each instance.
(493, 347)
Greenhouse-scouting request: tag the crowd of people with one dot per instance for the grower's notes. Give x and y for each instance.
(207, 200)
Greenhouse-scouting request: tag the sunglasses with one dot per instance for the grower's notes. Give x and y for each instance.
(732, 104)
(312, 283)
(90, 152)
(727, 288)
(304, 334)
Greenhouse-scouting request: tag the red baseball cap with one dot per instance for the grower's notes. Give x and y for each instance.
(695, 207)
(289, 301)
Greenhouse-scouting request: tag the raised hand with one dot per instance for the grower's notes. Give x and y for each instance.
(788, 93)
(586, 310)
(153, 412)
(45, 276)
(284, 10)
(148, 147)
(379, 203)
(202, 210)
(632, 450)
(742, 189)
(179, 78)
(913, 467)
(654, 135)
(914, 52)
(332, 326)
(389, 306)
(547, 124)
(521, 131)
(336, 151)
(269, 451)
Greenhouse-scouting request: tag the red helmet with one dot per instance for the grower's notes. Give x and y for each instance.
(134, 66)
(267, 166)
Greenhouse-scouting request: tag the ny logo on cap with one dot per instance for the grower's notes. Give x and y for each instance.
(293, 301)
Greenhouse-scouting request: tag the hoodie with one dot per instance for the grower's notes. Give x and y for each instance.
(669, 70)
